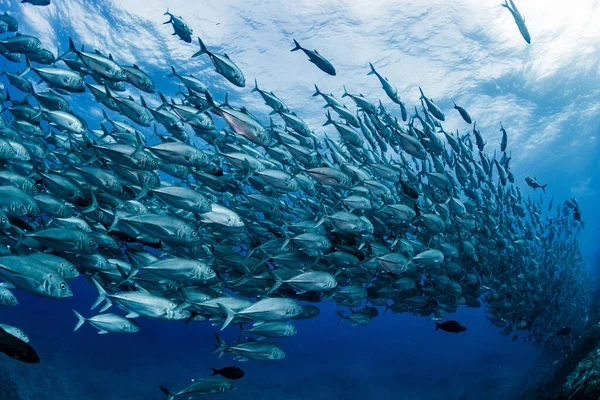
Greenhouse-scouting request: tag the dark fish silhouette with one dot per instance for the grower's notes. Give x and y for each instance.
(17, 349)
(450, 326)
(228, 372)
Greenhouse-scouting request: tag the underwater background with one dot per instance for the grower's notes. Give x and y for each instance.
(466, 51)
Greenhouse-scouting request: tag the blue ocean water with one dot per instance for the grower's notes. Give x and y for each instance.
(467, 51)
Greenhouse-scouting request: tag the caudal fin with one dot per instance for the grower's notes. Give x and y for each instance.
(221, 346)
(215, 371)
(170, 395)
(202, 50)
(101, 295)
(80, 321)
(329, 120)
(544, 187)
(372, 71)
(297, 46)
(230, 315)
(317, 91)
(437, 326)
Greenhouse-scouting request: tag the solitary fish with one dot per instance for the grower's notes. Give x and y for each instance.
(450, 326)
(519, 20)
(228, 372)
(314, 57)
(17, 348)
(534, 183)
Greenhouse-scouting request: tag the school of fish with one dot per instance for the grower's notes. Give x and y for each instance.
(197, 211)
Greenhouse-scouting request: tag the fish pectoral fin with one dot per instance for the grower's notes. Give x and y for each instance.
(132, 315)
(102, 332)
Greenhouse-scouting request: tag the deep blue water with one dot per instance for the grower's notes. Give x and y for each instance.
(465, 50)
(394, 355)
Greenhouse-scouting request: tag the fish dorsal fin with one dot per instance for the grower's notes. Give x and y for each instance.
(110, 57)
(226, 56)
(135, 66)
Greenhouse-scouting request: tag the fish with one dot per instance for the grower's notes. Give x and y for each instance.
(257, 351)
(16, 348)
(108, 323)
(532, 182)
(37, 2)
(223, 65)
(450, 326)
(202, 387)
(228, 372)
(181, 28)
(519, 19)
(16, 332)
(464, 114)
(314, 57)
(178, 207)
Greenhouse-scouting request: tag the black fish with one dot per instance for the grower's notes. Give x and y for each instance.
(450, 326)
(564, 331)
(228, 372)
(17, 349)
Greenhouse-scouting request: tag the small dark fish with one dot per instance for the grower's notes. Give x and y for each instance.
(450, 326)
(577, 215)
(515, 337)
(564, 331)
(228, 372)
(17, 349)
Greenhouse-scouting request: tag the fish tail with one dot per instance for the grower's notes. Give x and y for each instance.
(27, 66)
(215, 371)
(170, 395)
(69, 51)
(345, 92)
(80, 321)
(221, 346)
(329, 120)
(317, 91)
(422, 94)
(342, 318)
(101, 295)
(544, 187)
(230, 315)
(255, 86)
(202, 50)
(104, 117)
(387, 307)
(173, 73)
(276, 278)
(437, 326)
(297, 46)
(372, 71)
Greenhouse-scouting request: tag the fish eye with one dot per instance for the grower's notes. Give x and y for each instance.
(204, 158)
(3, 220)
(91, 242)
(12, 298)
(194, 233)
(63, 286)
(21, 207)
(210, 271)
(72, 269)
(181, 311)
